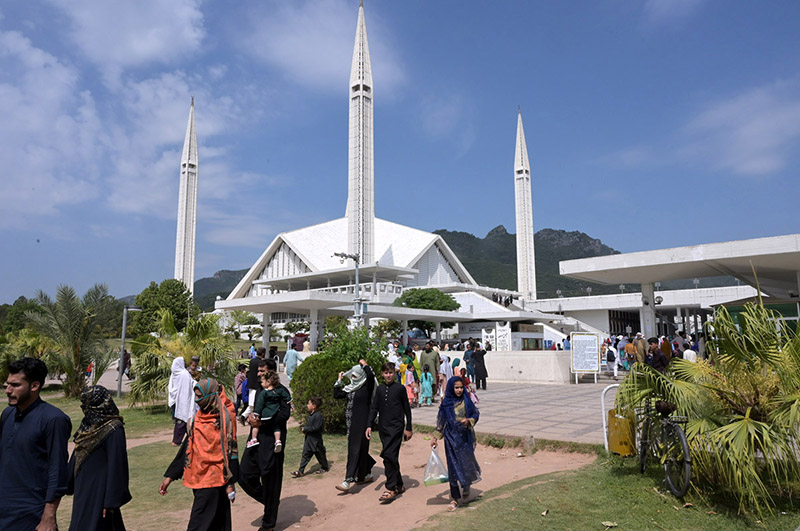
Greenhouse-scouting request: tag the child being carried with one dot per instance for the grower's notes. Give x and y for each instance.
(268, 402)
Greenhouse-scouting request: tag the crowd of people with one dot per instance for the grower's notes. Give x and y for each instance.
(621, 352)
(36, 471)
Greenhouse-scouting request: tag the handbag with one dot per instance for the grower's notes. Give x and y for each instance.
(435, 471)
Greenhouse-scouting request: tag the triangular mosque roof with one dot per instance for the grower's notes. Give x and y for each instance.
(395, 246)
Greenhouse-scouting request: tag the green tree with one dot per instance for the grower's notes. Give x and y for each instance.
(335, 325)
(171, 295)
(73, 324)
(12, 316)
(743, 405)
(317, 374)
(153, 356)
(388, 328)
(429, 299)
(294, 327)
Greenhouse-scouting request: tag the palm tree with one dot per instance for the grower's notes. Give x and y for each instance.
(73, 324)
(743, 404)
(202, 337)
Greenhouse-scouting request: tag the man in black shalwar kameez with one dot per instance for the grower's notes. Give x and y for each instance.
(391, 406)
(33, 451)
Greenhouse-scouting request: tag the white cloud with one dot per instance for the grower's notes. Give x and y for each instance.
(311, 42)
(120, 35)
(244, 227)
(448, 118)
(665, 11)
(754, 133)
(156, 110)
(50, 141)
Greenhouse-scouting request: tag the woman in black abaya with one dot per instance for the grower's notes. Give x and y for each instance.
(98, 468)
(359, 399)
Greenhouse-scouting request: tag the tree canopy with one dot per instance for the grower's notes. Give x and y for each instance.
(12, 316)
(74, 325)
(172, 295)
(429, 299)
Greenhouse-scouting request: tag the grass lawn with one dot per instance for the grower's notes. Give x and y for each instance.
(610, 490)
(139, 422)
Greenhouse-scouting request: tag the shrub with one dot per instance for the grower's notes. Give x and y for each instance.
(317, 374)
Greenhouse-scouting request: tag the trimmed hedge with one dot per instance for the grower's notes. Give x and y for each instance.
(317, 374)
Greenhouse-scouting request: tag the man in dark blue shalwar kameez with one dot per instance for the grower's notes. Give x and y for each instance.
(33, 451)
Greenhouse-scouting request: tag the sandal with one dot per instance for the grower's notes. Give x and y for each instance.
(452, 506)
(321, 471)
(297, 474)
(388, 496)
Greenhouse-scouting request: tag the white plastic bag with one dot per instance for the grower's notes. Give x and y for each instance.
(435, 471)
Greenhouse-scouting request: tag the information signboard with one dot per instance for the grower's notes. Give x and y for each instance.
(585, 356)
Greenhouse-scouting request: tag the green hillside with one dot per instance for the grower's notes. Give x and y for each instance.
(492, 261)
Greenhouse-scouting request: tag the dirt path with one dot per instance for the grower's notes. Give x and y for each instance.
(312, 502)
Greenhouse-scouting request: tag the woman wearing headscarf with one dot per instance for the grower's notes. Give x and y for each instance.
(98, 468)
(208, 459)
(180, 398)
(455, 425)
(359, 399)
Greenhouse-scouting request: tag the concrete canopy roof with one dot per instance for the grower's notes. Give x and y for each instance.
(342, 304)
(776, 261)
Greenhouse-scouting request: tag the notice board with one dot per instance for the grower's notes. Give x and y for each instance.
(585, 352)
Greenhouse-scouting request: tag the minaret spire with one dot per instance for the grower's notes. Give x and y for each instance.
(187, 207)
(360, 168)
(526, 264)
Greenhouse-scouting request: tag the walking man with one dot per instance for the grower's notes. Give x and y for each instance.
(33, 451)
(390, 405)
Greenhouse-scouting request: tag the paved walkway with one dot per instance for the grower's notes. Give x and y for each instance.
(565, 412)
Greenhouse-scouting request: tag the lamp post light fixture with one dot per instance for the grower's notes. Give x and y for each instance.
(589, 291)
(696, 282)
(558, 293)
(357, 308)
(622, 288)
(657, 285)
(121, 368)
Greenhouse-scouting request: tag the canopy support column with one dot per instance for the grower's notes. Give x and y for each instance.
(647, 315)
(314, 326)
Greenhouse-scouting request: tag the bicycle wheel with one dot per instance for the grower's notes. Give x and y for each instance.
(677, 460)
(646, 441)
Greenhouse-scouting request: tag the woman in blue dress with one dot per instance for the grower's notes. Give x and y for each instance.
(455, 425)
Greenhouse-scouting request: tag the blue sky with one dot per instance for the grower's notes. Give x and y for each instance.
(650, 124)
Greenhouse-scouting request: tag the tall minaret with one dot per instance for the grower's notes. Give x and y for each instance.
(187, 207)
(360, 167)
(526, 265)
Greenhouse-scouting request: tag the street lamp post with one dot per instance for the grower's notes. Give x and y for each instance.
(357, 309)
(121, 367)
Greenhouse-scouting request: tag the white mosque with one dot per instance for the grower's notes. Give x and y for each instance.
(359, 265)
(311, 272)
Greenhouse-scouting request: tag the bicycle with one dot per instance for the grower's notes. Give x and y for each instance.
(668, 444)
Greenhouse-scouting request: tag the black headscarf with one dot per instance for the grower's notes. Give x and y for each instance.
(100, 418)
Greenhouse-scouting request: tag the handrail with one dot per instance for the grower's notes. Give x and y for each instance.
(605, 413)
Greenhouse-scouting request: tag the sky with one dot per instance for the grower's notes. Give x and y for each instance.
(649, 124)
